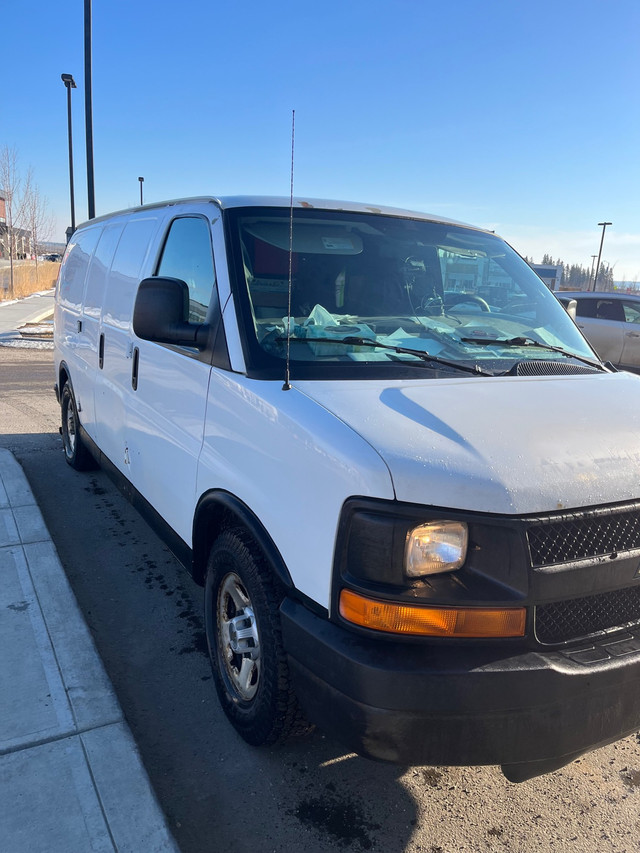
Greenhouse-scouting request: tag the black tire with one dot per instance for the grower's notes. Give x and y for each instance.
(249, 664)
(75, 451)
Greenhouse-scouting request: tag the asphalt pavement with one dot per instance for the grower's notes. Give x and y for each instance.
(71, 777)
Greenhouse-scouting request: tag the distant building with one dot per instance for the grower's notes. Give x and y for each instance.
(21, 238)
(550, 274)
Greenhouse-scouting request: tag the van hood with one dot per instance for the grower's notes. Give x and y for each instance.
(510, 445)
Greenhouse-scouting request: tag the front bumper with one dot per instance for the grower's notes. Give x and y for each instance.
(422, 703)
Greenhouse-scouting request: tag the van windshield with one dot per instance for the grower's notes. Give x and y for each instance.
(455, 293)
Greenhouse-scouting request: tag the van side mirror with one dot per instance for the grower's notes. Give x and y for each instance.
(161, 314)
(571, 307)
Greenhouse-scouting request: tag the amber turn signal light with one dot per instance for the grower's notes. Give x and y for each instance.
(413, 620)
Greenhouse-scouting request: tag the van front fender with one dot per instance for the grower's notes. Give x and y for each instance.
(218, 510)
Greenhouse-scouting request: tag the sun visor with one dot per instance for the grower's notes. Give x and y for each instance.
(307, 239)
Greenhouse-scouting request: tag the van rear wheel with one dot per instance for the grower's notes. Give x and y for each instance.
(75, 452)
(248, 660)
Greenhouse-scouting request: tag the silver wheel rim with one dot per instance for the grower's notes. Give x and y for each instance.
(238, 639)
(70, 432)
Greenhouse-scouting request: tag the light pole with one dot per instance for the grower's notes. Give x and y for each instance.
(88, 109)
(604, 228)
(141, 182)
(70, 84)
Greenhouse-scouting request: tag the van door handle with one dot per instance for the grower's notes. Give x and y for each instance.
(632, 335)
(79, 326)
(101, 351)
(134, 369)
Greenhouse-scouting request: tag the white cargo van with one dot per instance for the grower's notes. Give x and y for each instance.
(409, 487)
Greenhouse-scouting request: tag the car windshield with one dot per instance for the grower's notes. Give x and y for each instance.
(417, 288)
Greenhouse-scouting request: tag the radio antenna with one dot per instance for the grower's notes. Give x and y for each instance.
(287, 384)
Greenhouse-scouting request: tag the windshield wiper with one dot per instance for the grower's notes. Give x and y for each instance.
(421, 354)
(531, 342)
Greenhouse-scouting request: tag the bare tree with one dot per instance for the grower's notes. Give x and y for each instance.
(27, 217)
(37, 217)
(10, 187)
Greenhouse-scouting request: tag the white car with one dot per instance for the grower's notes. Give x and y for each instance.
(611, 323)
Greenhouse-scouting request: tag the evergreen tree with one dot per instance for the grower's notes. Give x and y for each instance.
(577, 277)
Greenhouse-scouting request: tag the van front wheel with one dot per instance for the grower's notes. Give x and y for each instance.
(248, 660)
(75, 451)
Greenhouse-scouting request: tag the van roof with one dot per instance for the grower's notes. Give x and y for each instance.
(227, 202)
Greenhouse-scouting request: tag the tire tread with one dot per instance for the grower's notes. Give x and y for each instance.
(282, 716)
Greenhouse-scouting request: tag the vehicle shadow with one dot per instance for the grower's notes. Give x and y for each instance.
(340, 800)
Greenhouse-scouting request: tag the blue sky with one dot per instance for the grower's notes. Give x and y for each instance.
(519, 117)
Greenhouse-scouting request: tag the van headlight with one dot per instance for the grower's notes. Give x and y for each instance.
(438, 546)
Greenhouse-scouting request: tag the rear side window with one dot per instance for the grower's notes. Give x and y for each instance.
(76, 264)
(187, 255)
(600, 309)
(631, 312)
(610, 309)
(586, 308)
(99, 269)
(125, 271)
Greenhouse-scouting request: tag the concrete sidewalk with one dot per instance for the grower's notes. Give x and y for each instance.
(31, 309)
(71, 778)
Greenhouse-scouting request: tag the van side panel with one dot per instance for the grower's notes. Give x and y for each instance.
(165, 422)
(90, 336)
(113, 383)
(293, 464)
(166, 408)
(72, 342)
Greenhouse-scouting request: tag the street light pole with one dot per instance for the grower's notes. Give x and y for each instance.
(141, 182)
(604, 228)
(88, 109)
(70, 84)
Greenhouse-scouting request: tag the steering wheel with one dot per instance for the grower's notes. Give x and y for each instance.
(452, 299)
(517, 307)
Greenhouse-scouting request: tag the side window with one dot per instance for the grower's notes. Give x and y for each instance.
(76, 263)
(586, 308)
(610, 309)
(187, 255)
(631, 312)
(99, 269)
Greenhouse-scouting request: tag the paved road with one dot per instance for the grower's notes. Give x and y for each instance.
(31, 310)
(220, 794)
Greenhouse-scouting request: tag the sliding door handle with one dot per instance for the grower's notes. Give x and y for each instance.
(134, 369)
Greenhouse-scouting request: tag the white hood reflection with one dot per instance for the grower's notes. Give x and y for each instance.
(507, 445)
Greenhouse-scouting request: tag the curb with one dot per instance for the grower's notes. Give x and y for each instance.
(38, 318)
(71, 776)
